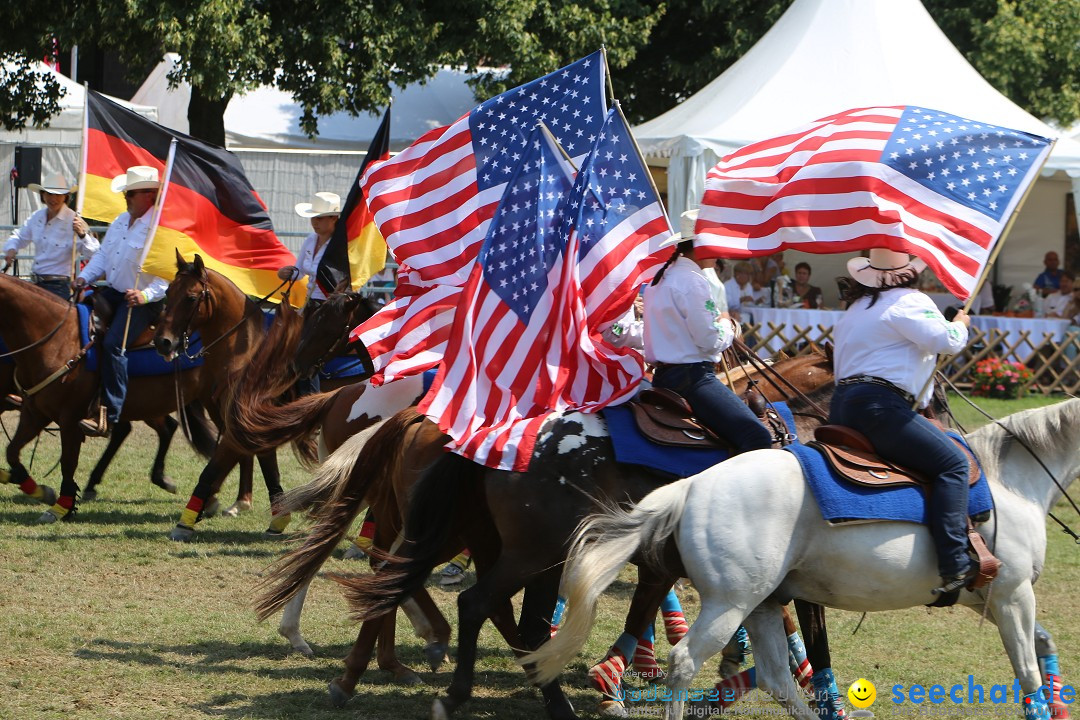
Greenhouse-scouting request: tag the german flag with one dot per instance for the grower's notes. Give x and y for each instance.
(208, 208)
(356, 250)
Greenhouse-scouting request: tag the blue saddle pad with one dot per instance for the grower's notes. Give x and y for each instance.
(631, 446)
(4, 349)
(144, 362)
(842, 501)
(342, 367)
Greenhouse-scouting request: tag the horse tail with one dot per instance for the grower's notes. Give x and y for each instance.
(200, 430)
(433, 505)
(358, 465)
(602, 545)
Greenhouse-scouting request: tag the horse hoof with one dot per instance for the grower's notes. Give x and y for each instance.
(408, 678)
(338, 696)
(211, 507)
(439, 711)
(304, 650)
(240, 506)
(272, 534)
(181, 533)
(435, 654)
(48, 495)
(88, 495)
(612, 708)
(354, 552)
(47, 518)
(165, 484)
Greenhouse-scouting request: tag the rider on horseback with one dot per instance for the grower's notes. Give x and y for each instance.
(886, 345)
(685, 335)
(126, 289)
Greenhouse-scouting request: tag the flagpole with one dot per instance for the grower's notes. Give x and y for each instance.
(607, 75)
(154, 218)
(652, 183)
(943, 359)
(82, 176)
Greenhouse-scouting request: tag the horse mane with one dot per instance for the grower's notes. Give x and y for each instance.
(1039, 428)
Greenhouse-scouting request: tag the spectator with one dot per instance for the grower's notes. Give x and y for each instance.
(806, 295)
(1049, 279)
(1057, 304)
(740, 290)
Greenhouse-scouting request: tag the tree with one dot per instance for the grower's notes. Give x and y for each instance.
(27, 97)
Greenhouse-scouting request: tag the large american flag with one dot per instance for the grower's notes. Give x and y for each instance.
(499, 377)
(908, 178)
(434, 201)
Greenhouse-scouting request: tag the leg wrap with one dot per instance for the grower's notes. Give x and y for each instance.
(606, 676)
(645, 657)
(799, 664)
(827, 696)
(732, 688)
(1035, 708)
(674, 620)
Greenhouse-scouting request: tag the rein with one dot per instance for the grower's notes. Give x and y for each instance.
(1065, 528)
(185, 336)
(42, 340)
(768, 372)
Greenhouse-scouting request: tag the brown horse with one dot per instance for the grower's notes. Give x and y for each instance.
(231, 325)
(60, 389)
(515, 524)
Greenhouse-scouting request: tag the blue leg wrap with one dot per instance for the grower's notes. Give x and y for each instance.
(827, 696)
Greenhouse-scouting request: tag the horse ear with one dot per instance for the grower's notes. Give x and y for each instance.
(345, 284)
(180, 261)
(200, 268)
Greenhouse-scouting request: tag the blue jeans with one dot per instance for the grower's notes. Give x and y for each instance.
(59, 288)
(114, 370)
(902, 436)
(714, 405)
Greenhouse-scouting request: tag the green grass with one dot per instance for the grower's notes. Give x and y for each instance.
(105, 618)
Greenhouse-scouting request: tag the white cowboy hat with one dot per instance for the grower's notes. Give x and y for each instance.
(882, 267)
(139, 177)
(55, 184)
(322, 205)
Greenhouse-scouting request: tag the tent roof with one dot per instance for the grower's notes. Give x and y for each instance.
(268, 118)
(825, 56)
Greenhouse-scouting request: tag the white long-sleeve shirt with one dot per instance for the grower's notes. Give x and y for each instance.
(52, 241)
(682, 322)
(627, 331)
(897, 340)
(120, 255)
(307, 262)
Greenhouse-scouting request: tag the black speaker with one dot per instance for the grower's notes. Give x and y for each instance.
(28, 165)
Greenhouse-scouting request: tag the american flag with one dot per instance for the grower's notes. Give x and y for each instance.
(499, 378)
(434, 201)
(908, 178)
(619, 225)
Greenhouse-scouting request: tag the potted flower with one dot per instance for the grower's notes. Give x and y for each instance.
(997, 378)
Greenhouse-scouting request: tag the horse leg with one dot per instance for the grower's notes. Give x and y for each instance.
(537, 606)
(30, 425)
(217, 469)
(1014, 614)
(245, 490)
(71, 439)
(342, 688)
(120, 432)
(826, 695)
(387, 658)
(430, 625)
(272, 479)
(165, 427)
(771, 654)
(289, 627)
(708, 635)
(1049, 669)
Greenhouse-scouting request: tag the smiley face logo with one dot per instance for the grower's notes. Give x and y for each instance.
(862, 693)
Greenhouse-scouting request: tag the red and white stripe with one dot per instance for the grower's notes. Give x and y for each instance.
(822, 189)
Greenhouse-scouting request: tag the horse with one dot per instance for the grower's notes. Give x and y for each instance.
(231, 325)
(515, 523)
(741, 567)
(59, 388)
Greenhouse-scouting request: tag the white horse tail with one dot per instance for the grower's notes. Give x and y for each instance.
(603, 544)
(330, 478)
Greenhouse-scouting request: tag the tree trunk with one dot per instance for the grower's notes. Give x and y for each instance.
(206, 117)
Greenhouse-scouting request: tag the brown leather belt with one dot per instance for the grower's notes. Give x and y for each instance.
(48, 278)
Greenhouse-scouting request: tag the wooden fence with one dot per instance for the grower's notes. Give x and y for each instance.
(1055, 365)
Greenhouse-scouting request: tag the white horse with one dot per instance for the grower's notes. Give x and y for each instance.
(774, 545)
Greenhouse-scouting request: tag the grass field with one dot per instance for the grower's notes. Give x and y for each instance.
(105, 618)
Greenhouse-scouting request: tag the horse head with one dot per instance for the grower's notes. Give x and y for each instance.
(326, 328)
(187, 306)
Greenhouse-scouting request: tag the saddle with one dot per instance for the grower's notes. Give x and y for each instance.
(851, 456)
(665, 418)
(101, 317)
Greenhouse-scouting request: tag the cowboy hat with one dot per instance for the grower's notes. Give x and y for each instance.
(686, 229)
(55, 184)
(322, 205)
(139, 177)
(883, 268)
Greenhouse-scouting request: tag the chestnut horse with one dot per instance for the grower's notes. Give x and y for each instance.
(60, 389)
(515, 524)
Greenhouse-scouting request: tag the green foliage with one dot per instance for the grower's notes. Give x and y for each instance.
(27, 97)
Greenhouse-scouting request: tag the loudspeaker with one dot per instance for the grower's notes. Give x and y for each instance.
(28, 165)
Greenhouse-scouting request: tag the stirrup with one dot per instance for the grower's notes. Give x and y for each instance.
(957, 582)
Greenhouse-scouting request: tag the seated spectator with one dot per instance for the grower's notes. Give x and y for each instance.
(740, 289)
(1057, 304)
(1049, 279)
(806, 295)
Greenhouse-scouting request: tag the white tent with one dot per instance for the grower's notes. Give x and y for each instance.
(824, 56)
(283, 164)
(60, 140)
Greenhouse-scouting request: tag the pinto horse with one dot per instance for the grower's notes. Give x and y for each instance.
(231, 325)
(515, 523)
(61, 389)
(1029, 458)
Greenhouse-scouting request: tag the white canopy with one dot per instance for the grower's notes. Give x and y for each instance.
(822, 57)
(269, 118)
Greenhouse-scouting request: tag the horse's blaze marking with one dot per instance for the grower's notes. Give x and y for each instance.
(385, 400)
